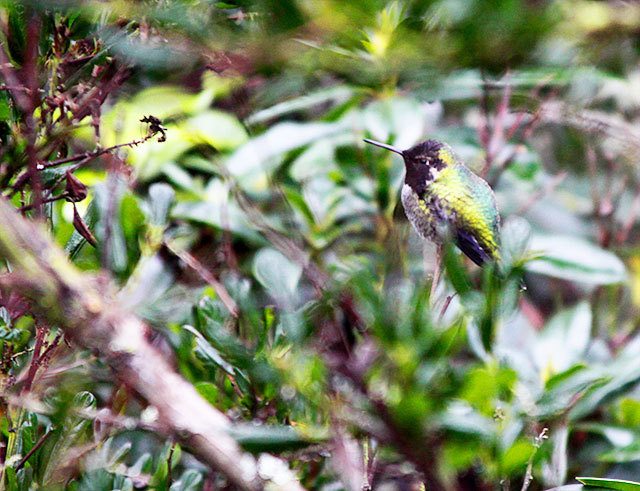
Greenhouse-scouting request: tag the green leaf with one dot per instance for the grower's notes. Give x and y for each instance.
(189, 481)
(161, 197)
(630, 453)
(571, 258)
(5, 109)
(266, 438)
(618, 436)
(460, 417)
(334, 95)
(398, 117)
(516, 457)
(253, 162)
(217, 209)
(151, 278)
(564, 340)
(456, 273)
(298, 203)
(218, 129)
(208, 391)
(317, 159)
(277, 274)
(515, 239)
(211, 323)
(622, 373)
(560, 396)
(615, 484)
(206, 352)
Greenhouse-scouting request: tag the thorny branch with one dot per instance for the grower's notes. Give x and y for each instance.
(86, 157)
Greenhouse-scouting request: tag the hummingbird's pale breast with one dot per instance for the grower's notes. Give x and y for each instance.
(421, 214)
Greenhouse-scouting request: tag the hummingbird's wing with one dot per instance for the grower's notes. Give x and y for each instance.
(469, 207)
(468, 244)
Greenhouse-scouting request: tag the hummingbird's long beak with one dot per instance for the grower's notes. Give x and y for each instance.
(384, 145)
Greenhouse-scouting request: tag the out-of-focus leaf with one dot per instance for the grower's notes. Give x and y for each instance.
(210, 322)
(208, 390)
(216, 128)
(516, 234)
(563, 395)
(621, 374)
(456, 273)
(618, 436)
(161, 197)
(525, 165)
(555, 470)
(266, 438)
(318, 159)
(149, 56)
(334, 95)
(300, 205)
(630, 453)
(277, 274)
(152, 277)
(252, 163)
(461, 418)
(218, 210)
(628, 412)
(516, 457)
(159, 477)
(400, 117)
(564, 340)
(571, 258)
(208, 353)
(118, 221)
(189, 481)
(5, 109)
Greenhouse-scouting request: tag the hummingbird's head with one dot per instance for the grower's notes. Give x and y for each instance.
(423, 161)
(431, 153)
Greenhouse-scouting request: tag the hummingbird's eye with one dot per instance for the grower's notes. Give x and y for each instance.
(423, 161)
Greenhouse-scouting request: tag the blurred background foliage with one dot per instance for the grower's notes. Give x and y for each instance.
(247, 222)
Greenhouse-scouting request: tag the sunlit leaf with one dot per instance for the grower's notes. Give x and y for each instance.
(220, 130)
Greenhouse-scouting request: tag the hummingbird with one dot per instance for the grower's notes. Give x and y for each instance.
(444, 200)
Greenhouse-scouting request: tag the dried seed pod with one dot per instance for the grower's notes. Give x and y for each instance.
(82, 227)
(75, 190)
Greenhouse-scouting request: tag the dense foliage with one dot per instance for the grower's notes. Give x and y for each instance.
(208, 157)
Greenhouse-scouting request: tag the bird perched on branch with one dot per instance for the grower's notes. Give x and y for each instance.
(444, 200)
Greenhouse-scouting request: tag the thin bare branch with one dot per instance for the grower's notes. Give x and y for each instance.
(41, 441)
(553, 183)
(207, 276)
(625, 230)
